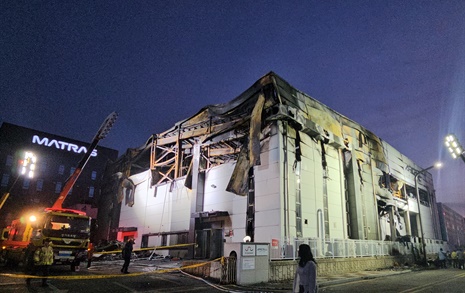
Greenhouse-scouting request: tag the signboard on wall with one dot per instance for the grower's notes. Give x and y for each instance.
(248, 263)
(248, 250)
(262, 249)
(274, 243)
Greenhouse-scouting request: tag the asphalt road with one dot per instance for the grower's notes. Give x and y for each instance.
(157, 276)
(435, 280)
(162, 276)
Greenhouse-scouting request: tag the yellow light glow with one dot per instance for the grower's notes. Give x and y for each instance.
(29, 164)
(32, 218)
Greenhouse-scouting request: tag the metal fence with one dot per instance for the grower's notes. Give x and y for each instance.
(228, 270)
(346, 248)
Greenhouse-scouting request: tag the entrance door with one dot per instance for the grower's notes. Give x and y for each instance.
(202, 240)
(216, 243)
(209, 243)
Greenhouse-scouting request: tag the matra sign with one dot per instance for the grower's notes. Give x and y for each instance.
(61, 145)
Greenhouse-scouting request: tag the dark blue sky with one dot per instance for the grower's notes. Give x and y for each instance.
(396, 67)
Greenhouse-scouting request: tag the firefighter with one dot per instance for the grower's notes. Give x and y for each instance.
(43, 259)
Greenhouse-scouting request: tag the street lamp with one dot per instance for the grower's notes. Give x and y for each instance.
(454, 147)
(27, 168)
(423, 244)
(28, 164)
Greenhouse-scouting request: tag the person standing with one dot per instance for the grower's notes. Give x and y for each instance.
(453, 256)
(90, 254)
(460, 259)
(43, 259)
(305, 274)
(29, 268)
(442, 258)
(127, 253)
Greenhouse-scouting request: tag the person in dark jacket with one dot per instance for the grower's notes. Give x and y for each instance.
(127, 253)
(90, 254)
(29, 268)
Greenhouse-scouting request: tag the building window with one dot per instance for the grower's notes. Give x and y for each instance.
(43, 167)
(91, 191)
(26, 183)
(9, 160)
(58, 187)
(5, 179)
(61, 169)
(71, 171)
(40, 184)
(93, 176)
(424, 198)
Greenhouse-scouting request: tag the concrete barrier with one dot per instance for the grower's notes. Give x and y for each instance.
(285, 269)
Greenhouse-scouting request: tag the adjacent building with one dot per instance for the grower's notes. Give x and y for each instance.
(452, 226)
(275, 165)
(34, 165)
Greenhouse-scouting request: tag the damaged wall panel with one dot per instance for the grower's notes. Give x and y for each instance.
(307, 163)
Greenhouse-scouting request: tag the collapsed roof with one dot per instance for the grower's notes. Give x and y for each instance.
(233, 131)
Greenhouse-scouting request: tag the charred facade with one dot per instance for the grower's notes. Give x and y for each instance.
(272, 164)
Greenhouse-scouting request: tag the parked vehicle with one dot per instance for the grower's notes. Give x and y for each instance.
(69, 230)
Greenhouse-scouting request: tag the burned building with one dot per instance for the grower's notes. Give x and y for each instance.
(273, 164)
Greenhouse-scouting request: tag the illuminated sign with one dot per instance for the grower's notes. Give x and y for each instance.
(61, 145)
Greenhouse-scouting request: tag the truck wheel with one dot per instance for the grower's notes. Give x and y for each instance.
(11, 263)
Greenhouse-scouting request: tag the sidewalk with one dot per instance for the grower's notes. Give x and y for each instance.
(329, 280)
(322, 281)
(286, 286)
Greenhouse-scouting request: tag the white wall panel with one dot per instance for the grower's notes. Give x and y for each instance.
(266, 172)
(266, 233)
(267, 218)
(268, 202)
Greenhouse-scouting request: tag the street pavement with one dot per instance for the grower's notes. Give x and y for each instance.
(322, 281)
(145, 266)
(285, 286)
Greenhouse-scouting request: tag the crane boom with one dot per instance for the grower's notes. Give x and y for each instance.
(101, 134)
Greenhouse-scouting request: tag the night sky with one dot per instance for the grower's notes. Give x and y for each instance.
(395, 67)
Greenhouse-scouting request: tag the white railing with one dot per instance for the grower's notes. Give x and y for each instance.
(346, 248)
